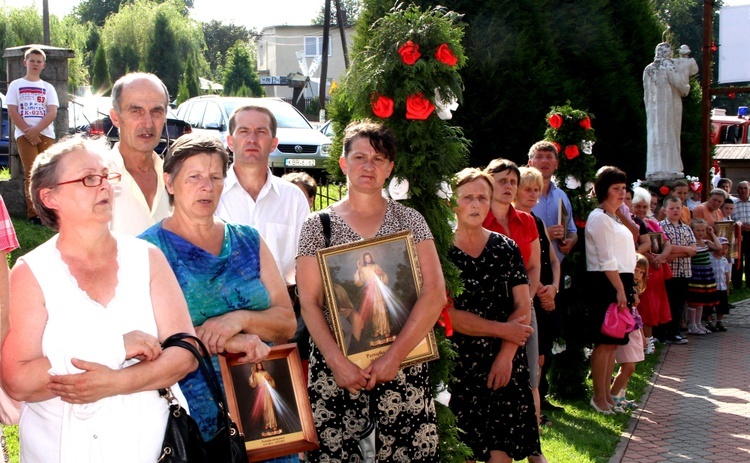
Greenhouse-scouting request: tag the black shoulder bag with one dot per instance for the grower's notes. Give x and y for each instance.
(183, 442)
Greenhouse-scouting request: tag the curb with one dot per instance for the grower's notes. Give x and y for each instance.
(627, 434)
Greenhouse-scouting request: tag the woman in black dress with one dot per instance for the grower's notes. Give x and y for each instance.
(490, 393)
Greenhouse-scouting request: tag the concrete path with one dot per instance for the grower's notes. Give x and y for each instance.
(698, 406)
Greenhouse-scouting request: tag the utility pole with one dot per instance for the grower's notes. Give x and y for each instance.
(45, 21)
(341, 18)
(324, 64)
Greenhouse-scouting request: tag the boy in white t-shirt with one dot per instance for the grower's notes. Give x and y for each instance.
(32, 106)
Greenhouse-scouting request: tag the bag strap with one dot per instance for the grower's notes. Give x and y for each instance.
(325, 220)
(204, 363)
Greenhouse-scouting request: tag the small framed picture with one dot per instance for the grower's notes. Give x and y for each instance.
(371, 287)
(657, 242)
(270, 405)
(729, 230)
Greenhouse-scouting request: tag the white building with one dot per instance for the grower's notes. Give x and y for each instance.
(277, 56)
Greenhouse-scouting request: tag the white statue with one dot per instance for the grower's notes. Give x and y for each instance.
(665, 82)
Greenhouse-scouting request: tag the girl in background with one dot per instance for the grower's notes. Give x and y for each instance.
(633, 351)
(702, 285)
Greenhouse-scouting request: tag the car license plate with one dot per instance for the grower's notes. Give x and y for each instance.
(299, 162)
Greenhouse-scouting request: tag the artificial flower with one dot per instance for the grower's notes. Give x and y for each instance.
(418, 108)
(571, 183)
(382, 106)
(398, 188)
(664, 190)
(557, 147)
(585, 123)
(580, 223)
(445, 55)
(444, 107)
(555, 121)
(409, 52)
(571, 152)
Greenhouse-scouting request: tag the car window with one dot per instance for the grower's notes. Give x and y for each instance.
(195, 114)
(213, 115)
(286, 115)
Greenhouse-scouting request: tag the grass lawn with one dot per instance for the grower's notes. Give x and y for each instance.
(578, 435)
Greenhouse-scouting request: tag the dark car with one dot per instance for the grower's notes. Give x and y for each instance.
(173, 129)
(4, 139)
(90, 115)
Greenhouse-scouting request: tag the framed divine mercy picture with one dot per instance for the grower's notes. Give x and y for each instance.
(371, 287)
(269, 403)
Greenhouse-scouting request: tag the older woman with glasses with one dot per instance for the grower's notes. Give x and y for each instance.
(88, 310)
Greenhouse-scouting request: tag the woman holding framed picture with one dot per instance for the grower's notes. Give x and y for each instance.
(344, 396)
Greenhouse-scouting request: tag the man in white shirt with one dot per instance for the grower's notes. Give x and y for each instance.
(254, 196)
(139, 111)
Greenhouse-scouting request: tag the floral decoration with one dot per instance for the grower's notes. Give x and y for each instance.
(664, 190)
(445, 55)
(418, 108)
(570, 130)
(571, 152)
(409, 52)
(382, 106)
(555, 121)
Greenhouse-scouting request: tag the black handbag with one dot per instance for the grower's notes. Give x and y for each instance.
(183, 442)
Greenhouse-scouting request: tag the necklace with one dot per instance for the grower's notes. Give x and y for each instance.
(612, 216)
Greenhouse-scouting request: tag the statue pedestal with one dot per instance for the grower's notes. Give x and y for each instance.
(663, 177)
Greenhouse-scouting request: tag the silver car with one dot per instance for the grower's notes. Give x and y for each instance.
(300, 146)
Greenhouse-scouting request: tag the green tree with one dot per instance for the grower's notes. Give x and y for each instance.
(351, 8)
(161, 58)
(190, 85)
(93, 40)
(241, 71)
(100, 76)
(219, 39)
(96, 11)
(127, 36)
(69, 33)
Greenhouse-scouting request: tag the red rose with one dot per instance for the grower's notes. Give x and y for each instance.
(382, 107)
(418, 108)
(445, 55)
(409, 52)
(664, 190)
(585, 123)
(580, 223)
(557, 147)
(571, 152)
(555, 121)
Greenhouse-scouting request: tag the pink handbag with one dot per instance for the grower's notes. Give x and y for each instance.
(617, 323)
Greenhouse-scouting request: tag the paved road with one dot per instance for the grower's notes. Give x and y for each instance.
(698, 408)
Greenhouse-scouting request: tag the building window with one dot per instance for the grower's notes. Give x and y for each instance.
(314, 46)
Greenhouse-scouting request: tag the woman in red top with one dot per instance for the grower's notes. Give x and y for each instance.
(521, 227)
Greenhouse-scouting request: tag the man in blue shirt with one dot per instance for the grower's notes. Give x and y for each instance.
(543, 156)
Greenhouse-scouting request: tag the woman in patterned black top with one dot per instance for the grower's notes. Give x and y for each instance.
(345, 397)
(490, 393)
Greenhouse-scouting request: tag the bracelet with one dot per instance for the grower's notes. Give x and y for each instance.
(557, 290)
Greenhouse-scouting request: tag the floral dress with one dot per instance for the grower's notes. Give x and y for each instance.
(403, 409)
(502, 419)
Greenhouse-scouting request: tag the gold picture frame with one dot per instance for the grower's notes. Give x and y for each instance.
(729, 230)
(370, 299)
(270, 405)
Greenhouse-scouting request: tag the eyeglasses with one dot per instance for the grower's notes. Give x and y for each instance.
(94, 180)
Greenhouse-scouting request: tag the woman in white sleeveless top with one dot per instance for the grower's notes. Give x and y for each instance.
(88, 310)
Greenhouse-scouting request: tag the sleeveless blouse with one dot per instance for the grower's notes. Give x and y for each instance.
(124, 428)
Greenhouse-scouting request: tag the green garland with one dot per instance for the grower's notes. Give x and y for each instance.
(398, 64)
